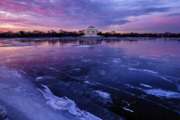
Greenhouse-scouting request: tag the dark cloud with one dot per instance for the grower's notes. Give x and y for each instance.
(81, 13)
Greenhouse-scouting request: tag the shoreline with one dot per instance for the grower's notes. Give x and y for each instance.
(98, 38)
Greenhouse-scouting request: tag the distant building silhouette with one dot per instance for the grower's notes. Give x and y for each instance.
(91, 31)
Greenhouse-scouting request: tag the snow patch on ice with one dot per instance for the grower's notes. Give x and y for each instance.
(127, 109)
(145, 85)
(143, 70)
(103, 94)
(66, 104)
(133, 87)
(157, 74)
(19, 93)
(164, 78)
(84, 46)
(163, 93)
(133, 69)
(87, 82)
(41, 78)
(116, 60)
(130, 86)
(150, 71)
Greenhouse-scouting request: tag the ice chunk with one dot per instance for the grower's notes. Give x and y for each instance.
(163, 93)
(64, 103)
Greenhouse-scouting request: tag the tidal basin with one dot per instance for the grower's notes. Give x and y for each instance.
(134, 79)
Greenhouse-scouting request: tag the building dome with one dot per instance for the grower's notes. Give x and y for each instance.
(91, 27)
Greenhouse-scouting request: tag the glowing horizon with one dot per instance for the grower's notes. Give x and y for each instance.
(109, 15)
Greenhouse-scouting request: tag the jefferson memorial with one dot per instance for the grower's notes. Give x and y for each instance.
(91, 31)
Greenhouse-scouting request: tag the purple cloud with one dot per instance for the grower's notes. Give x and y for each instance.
(78, 14)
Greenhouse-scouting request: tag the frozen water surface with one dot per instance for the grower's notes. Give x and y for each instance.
(163, 93)
(66, 104)
(89, 80)
(22, 100)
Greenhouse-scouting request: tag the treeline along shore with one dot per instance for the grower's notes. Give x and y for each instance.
(23, 34)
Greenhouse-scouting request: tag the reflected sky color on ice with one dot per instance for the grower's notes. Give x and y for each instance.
(126, 75)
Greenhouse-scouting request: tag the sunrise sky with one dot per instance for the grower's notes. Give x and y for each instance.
(106, 15)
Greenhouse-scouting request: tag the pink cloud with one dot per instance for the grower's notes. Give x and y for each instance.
(82, 13)
(153, 24)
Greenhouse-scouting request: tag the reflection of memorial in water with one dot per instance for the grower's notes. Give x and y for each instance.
(89, 42)
(69, 42)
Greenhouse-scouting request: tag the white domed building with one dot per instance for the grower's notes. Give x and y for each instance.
(91, 31)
